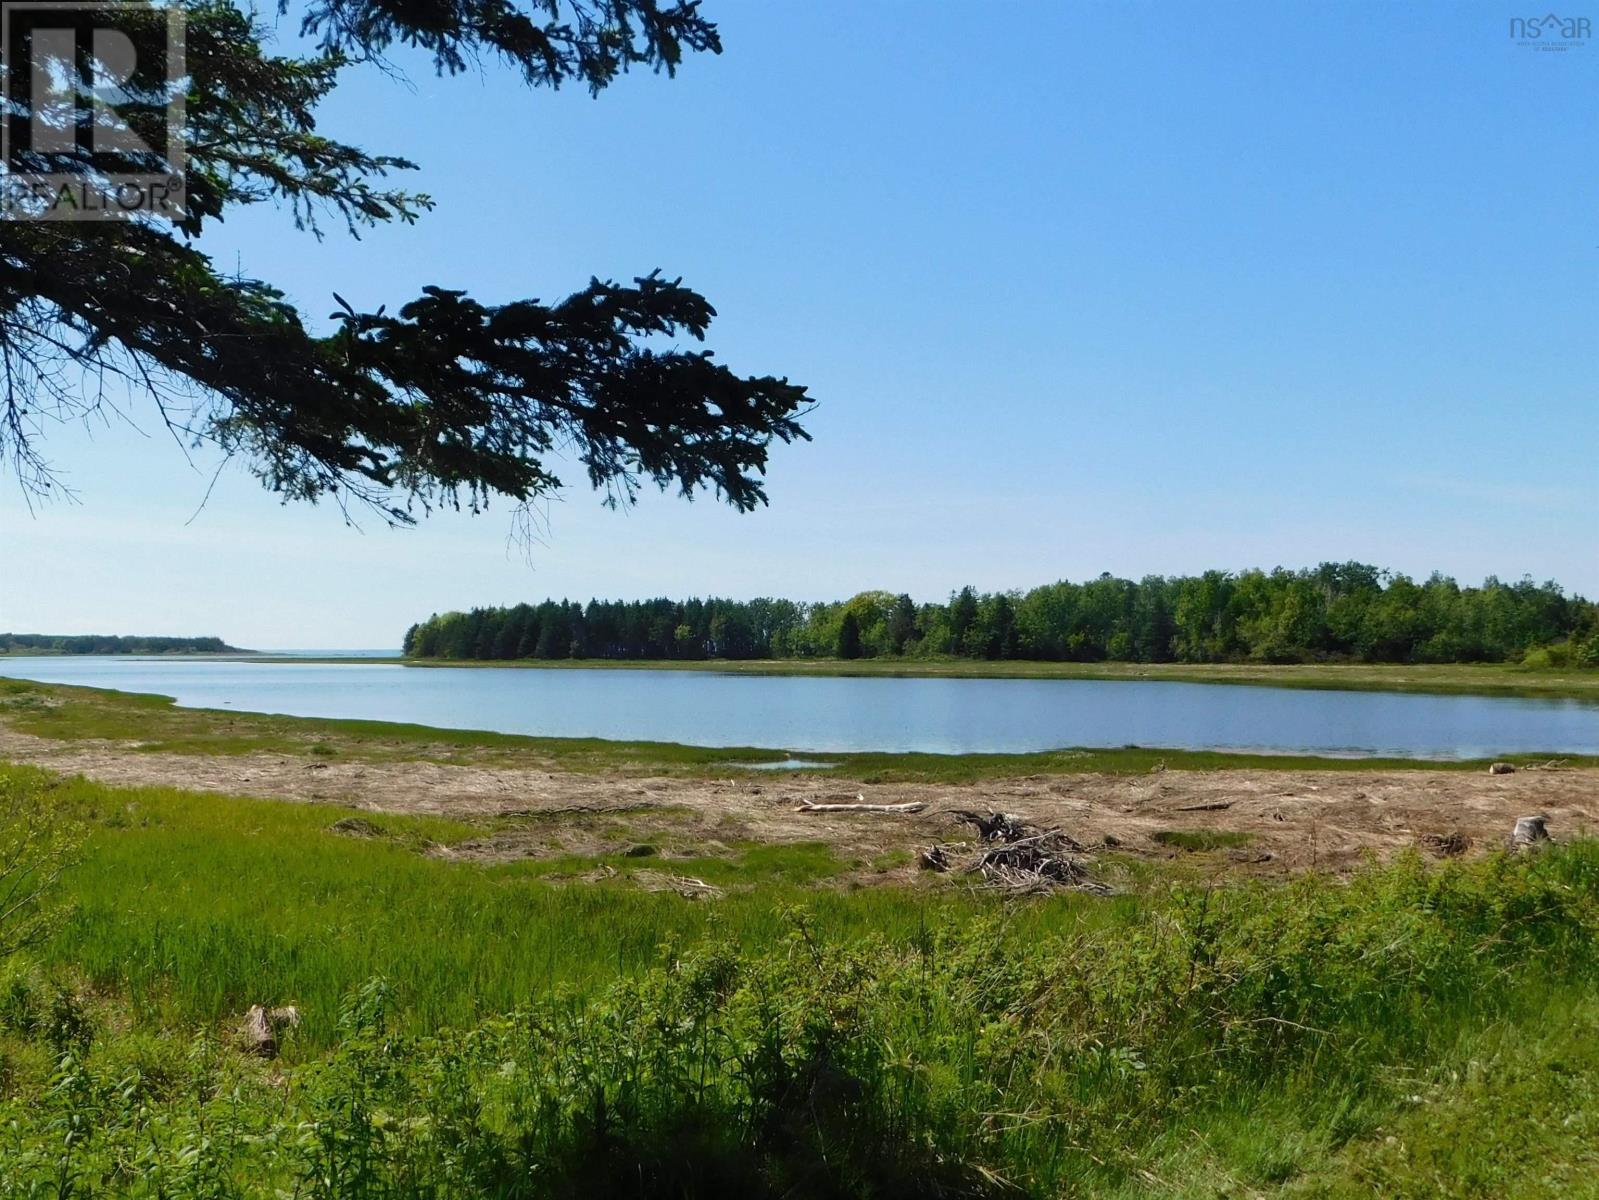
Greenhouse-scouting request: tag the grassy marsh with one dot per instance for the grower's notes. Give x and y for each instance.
(194, 906)
(1407, 1026)
(1201, 840)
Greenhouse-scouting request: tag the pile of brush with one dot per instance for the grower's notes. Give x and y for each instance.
(1014, 855)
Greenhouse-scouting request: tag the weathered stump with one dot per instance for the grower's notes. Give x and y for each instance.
(261, 1025)
(1529, 833)
(1502, 768)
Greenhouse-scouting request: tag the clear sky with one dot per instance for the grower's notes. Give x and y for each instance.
(1079, 287)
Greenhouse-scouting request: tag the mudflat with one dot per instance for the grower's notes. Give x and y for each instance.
(1251, 820)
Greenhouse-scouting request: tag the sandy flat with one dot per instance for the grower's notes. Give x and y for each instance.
(1295, 819)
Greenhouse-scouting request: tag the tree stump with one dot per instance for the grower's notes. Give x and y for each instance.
(261, 1025)
(1529, 833)
(1502, 769)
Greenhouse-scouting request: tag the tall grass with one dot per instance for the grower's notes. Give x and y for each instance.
(1189, 1041)
(194, 907)
(1218, 1034)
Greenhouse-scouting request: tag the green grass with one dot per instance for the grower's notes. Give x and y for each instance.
(151, 723)
(1413, 1030)
(1516, 1117)
(1197, 840)
(194, 906)
(751, 864)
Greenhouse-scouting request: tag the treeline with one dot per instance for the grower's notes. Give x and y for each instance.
(47, 643)
(1337, 612)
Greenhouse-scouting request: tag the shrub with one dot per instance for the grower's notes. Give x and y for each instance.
(37, 842)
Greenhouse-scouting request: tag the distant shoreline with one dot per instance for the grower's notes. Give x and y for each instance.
(231, 653)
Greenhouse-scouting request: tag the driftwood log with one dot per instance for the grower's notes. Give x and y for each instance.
(685, 886)
(913, 806)
(261, 1026)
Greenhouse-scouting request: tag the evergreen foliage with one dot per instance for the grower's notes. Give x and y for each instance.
(438, 399)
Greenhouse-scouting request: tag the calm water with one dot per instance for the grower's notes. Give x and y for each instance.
(818, 714)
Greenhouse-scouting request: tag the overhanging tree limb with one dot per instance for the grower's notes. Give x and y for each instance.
(446, 400)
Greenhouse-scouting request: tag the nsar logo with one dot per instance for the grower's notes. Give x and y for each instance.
(1550, 32)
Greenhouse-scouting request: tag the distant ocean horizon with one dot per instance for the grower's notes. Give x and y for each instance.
(331, 652)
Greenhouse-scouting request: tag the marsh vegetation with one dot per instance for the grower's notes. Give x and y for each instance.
(473, 1031)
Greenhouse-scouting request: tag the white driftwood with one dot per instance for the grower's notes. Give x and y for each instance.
(913, 806)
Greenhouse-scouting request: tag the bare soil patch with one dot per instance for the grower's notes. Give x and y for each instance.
(1293, 820)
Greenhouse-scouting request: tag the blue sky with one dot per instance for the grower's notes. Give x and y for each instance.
(1079, 287)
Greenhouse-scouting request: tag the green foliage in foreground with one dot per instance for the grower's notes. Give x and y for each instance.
(192, 907)
(1187, 1041)
(37, 844)
(1517, 1118)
